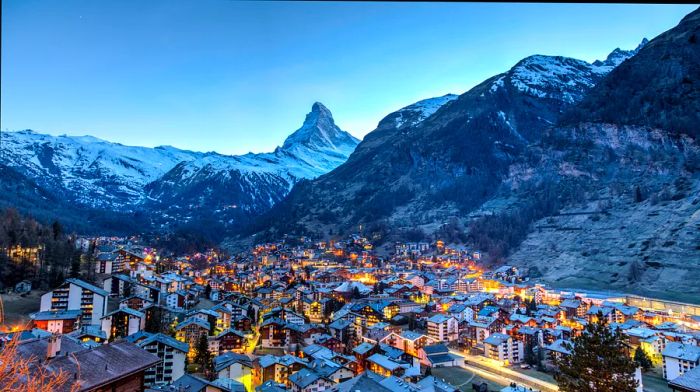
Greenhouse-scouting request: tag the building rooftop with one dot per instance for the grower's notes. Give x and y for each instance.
(87, 286)
(690, 380)
(56, 315)
(682, 351)
(102, 365)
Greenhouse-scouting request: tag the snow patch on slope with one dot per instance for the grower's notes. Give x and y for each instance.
(419, 111)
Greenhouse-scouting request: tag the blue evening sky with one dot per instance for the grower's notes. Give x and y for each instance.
(235, 77)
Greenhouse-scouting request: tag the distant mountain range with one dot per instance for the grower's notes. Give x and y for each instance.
(169, 185)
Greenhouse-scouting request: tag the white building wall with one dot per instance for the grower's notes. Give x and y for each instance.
(75, 294)
(46, 302)
(99, 308)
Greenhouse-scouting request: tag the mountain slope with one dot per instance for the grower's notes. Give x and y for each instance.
(408, 173)
(670, 95)
(634, 224)
(587, 175)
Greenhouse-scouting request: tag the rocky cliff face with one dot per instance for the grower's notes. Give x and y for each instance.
(627, 211)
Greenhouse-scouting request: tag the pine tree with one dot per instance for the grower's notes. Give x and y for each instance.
(642, 359)
(75, 265)
(154, 321)
(202, 355)
(251, 314)
(530, 357)
(598, 362)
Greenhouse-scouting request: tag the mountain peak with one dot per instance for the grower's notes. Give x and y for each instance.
(318, 107)
(617, 56)
(319, 132)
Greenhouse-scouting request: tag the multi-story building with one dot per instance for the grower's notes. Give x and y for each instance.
(443, 328)
(504, 348)
(678, 358)
(75, 294)
(172, 354)
(123, 322)
(190, 331)
(237, 367)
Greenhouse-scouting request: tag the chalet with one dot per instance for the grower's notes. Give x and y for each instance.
(229, 340)
(223, 318)
(89, 333)
(461, 312)
(688, 382)
(176, 299)
(558, 348)
(277, 368)
(330, 343)
(135, 302)
(573, 308)
(128, 259)
(118, 366)
(238, 367)
(385, 366)
(409, 341)
(190, 332)
(362, 352)
(304, 334)
(207, 315)
(343, 330)
(108, 263)
(241, 323)
(331, 370)
(307, 380)
(649, 341)
(273, 333)
(57, 321)
(480, 328)
(123, 322)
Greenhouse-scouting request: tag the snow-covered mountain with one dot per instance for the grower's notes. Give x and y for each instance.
(413, 114)
(255, 182)
(561, 78)
(445, 156)
(99, 174)
(89, 170)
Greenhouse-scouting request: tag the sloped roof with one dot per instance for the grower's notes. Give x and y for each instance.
(364, 382)
(166, 340)
(689, 380)
(104, 364)
(88, 286)
(56, 315)
(682, 351)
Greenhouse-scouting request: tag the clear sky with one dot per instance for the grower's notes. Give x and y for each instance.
(235, 77)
